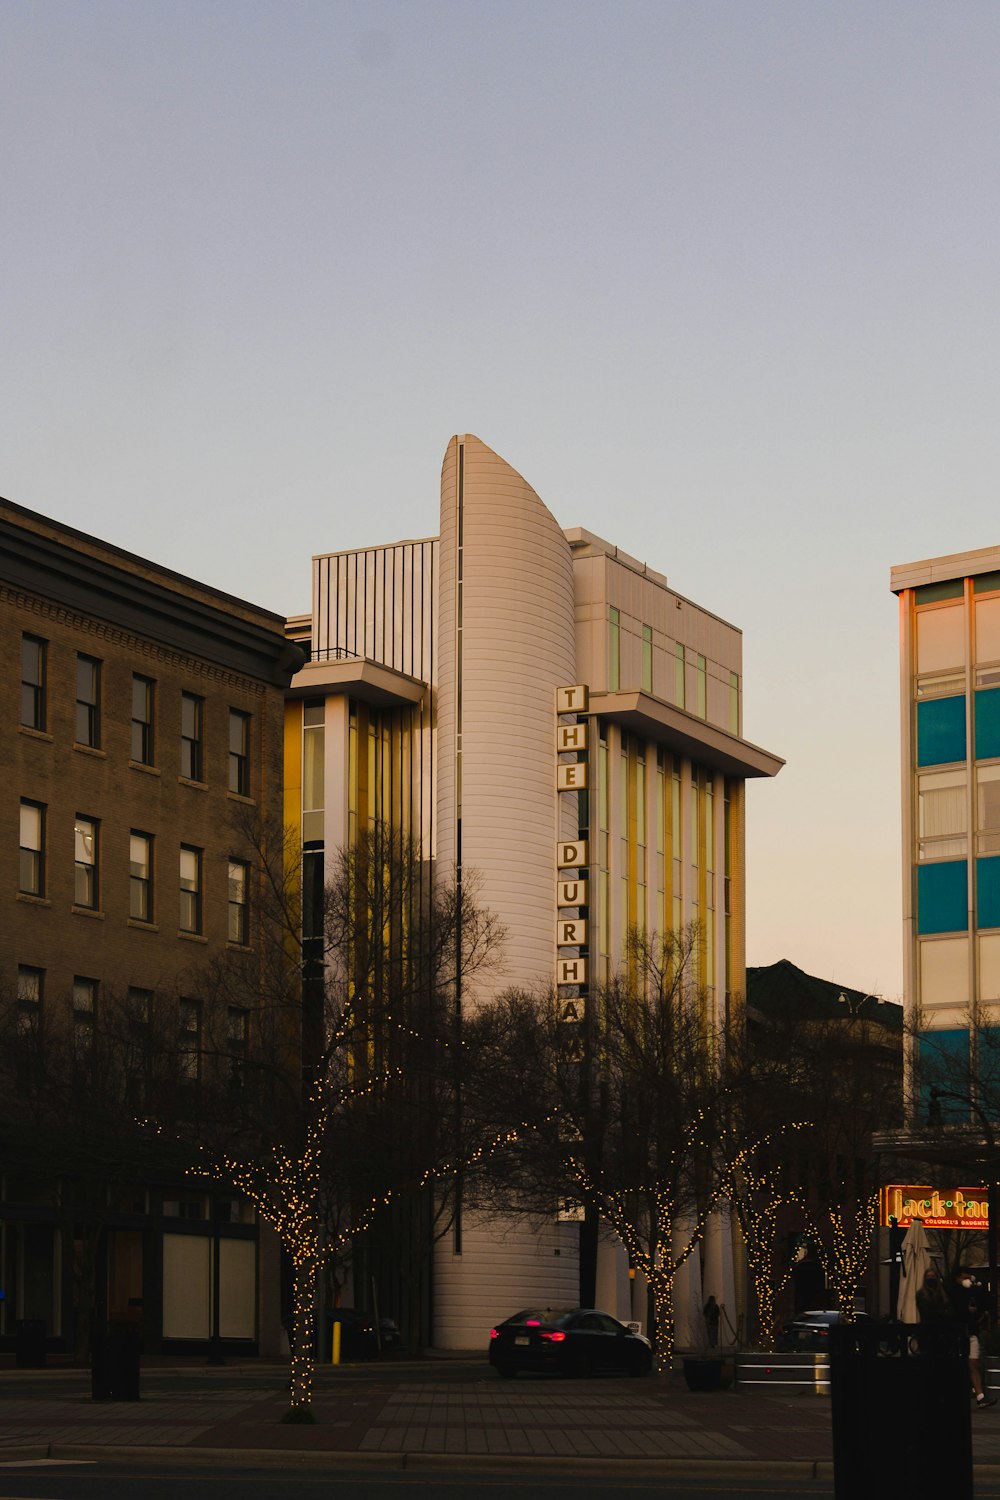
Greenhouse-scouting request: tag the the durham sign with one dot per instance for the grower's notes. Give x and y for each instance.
(938, 1208)
(573, 857)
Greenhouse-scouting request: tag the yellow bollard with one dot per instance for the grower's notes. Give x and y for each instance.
(336, 1341)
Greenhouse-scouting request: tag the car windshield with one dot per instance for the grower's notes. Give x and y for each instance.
(540, 1315)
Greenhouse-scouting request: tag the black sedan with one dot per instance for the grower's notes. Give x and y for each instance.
(568, 1341)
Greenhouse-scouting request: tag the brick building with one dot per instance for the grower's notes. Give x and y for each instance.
(140, 712)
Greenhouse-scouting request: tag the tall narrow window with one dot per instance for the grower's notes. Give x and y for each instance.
(734, 703)
(702, 687)
(88, 701)
(614, 650)
(239, 925)
(189, 1041)
(313, 778)
(140, 876)
(33, 651)
(84, 1011)
(647, 658)
(680, 692)
(31, 871)
(239, 752)
(190, 872)
(29, 998)
(142, 720)
(192, 716)
(237, 1036)
(87, 886)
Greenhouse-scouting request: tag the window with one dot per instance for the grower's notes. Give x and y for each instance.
(142, 720)
(239, 927)
(88, 701)
(734, 703)
(647, 658)
(140, 876)
(239, 752)
(614, 650)
(33, 651)
(31, 871)
(84, 1009)
(86, 890)
(191, 737)
(702, 687)
(942, 814)
(679, 688)
(29, 998)
(189, 1040)
(190, 889)
(237, 1033)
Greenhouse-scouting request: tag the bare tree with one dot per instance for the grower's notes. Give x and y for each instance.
(626, 1110)
(343, 1104)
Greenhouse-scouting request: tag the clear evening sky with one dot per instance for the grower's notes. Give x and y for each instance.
(720, 278)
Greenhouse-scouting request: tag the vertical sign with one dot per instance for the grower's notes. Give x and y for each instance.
(572, 858)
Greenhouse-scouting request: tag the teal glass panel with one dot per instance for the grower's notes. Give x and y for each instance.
(988, 1071)
(988, 892)
(943, 1063)
(930, 593)
(942, 897)
(940, 730)
(987, 706)
(986, 583)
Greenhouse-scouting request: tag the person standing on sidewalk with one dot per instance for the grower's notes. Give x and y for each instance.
(970, 1308)
(711, 1313)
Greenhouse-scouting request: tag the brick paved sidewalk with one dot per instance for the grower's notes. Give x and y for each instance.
(388, 1420)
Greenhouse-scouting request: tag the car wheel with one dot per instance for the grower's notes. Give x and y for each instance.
(582, 1367)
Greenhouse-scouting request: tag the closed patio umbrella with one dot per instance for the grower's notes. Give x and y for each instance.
(916, 1256)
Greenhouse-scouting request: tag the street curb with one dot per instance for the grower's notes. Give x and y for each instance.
(346, 1458)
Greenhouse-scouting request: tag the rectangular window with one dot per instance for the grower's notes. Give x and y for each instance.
(192, 715)
(942, 814)
(84, 1011)
(87, 886)
(237, 1036)
(29, 997)
(88, 701)
(614, 650)
(239, 910)
(680, 693)
(189, 1040)
(239, 752)
(140, 876)
(313, 778)
(33, 651)
(647, 658)
(190, 871)
(142, 720)
(702, 688)
(31, 872)
(734, 703)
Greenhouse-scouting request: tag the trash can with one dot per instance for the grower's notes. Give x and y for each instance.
(29, 1343)
(114, 1363)
(900, 1409)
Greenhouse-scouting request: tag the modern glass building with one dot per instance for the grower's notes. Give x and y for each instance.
(950, 690)
(534, 705)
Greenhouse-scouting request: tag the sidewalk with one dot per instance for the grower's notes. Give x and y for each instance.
(405, 1415)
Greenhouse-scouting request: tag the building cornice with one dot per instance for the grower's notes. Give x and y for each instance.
(91, 581)
(357, 677)
(685, 733)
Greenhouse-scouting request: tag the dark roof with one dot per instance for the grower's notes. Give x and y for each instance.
(780, 988)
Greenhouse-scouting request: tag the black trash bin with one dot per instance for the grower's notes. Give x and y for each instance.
(29, 1344)
(114, 1363)
(900, 1407)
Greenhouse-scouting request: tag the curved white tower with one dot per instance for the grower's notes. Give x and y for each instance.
(506, 642)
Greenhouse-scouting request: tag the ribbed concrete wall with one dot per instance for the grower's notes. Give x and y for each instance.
(506, 642)
(518, 646)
